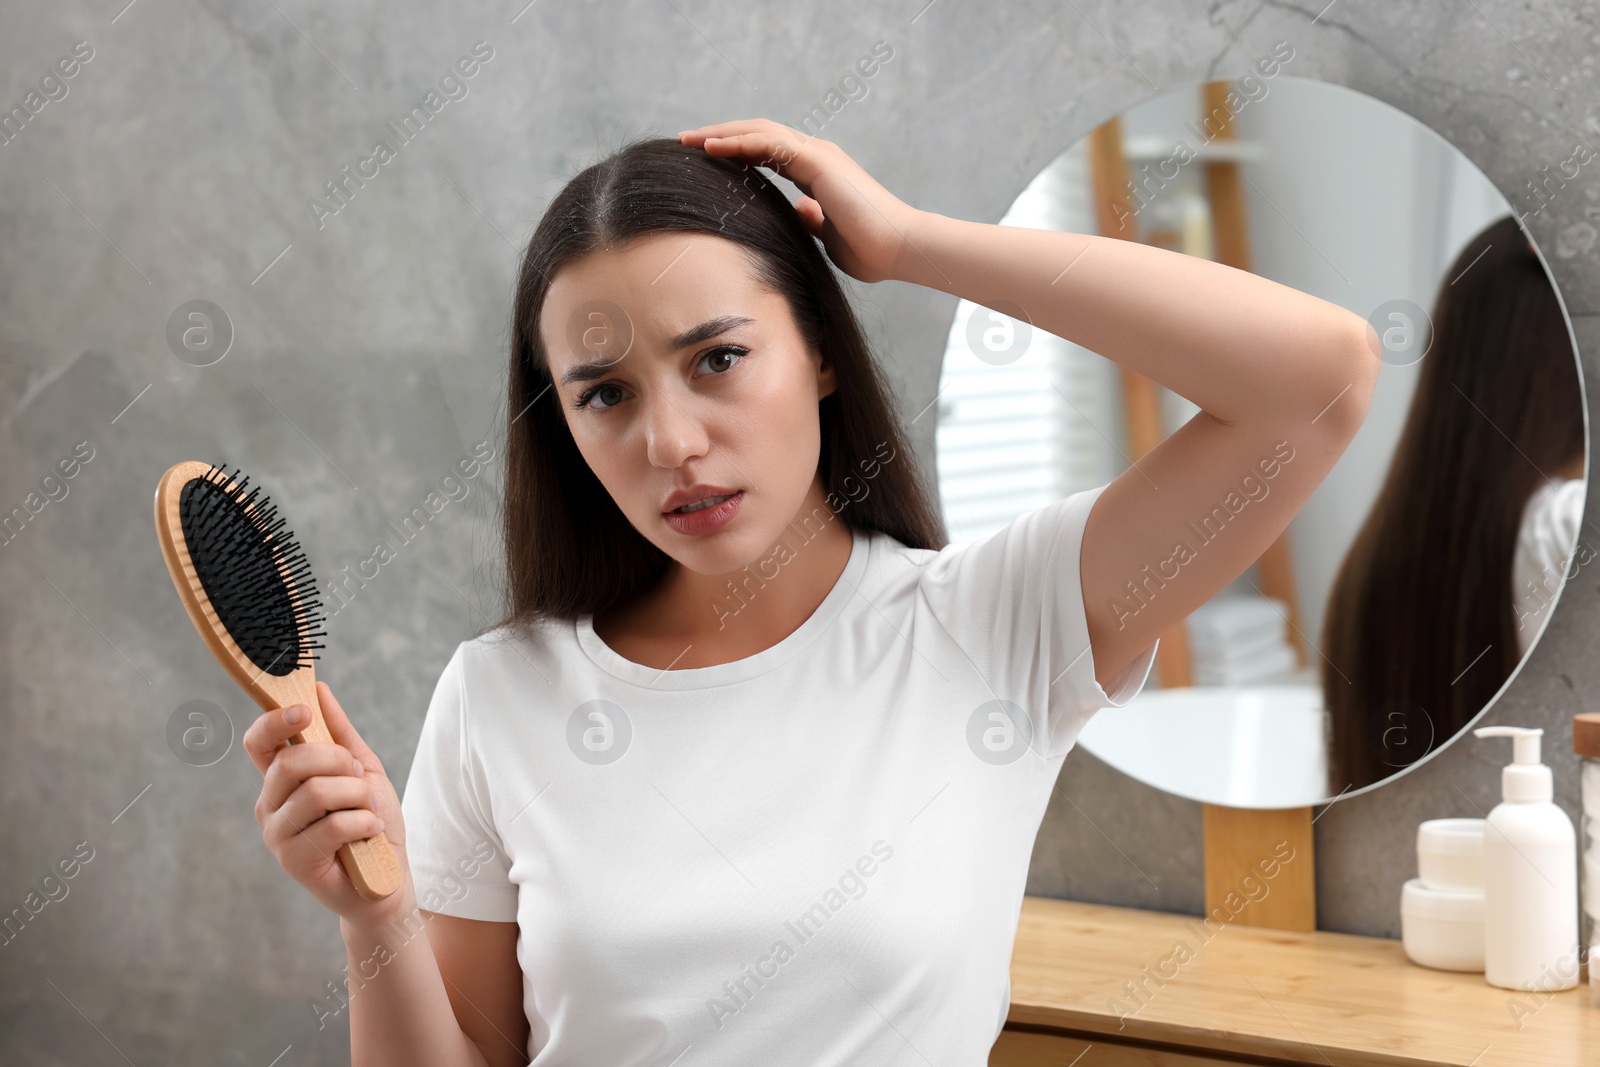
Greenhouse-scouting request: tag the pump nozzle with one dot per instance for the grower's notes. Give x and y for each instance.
(1525, 778)
(1524, 743)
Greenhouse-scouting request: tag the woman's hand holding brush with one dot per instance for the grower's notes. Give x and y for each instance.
(316, 797)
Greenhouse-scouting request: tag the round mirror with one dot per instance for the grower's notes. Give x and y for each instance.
(1407, 591)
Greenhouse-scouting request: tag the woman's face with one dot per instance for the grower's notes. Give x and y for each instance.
(696, 376)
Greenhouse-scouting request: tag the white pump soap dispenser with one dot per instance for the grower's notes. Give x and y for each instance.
(1530, 876)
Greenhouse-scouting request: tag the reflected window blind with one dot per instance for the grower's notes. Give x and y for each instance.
(1016, 436)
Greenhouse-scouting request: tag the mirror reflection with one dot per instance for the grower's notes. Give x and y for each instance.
(1409, 589)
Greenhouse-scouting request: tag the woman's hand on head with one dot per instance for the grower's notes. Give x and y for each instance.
(316, 797)
(866, 229)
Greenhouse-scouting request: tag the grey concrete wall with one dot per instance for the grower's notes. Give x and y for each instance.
(367, 357)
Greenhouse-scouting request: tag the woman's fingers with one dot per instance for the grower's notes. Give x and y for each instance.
(272, 729)
(798, 163)
(811, 212)
(864, 227)
(763, 143)
(270, 732)
(319, 796)
(313, 800)
(300, 763)
(322, 839)
(342, 827)
(723, 129)
(343, 732)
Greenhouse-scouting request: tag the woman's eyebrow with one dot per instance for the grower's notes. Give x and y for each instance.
(708, 329)
(595, 369)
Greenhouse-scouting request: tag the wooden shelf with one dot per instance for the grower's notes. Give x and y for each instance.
(1141, 149)
(1255, 995)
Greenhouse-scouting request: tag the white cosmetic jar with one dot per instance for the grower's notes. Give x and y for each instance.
(1450, 854)
(1441, 929)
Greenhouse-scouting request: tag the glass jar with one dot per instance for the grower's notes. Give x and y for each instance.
(1586, 742)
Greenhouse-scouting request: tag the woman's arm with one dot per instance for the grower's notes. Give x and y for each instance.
(405, 990)
(1282, 378)
(407, 1008)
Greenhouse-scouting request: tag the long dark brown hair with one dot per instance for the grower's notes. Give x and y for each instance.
(1426, 585)
(569, 550)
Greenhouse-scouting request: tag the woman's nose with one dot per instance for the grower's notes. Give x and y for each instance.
(672, 433)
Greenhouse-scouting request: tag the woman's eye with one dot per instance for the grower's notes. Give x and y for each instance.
(728, 354)
(588, 395)
(729, 350)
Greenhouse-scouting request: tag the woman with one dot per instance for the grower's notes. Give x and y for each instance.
(760, 781)
(1450, 577)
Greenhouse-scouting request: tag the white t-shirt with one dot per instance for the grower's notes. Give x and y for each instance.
(816, 854)
(1546, 542)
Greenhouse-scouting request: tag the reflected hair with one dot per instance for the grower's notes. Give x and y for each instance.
(569, 550)
(1425, 588)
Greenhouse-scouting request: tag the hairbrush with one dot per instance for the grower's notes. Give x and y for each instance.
(249, 591)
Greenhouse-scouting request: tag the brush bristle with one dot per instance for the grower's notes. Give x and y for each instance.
(252, 569)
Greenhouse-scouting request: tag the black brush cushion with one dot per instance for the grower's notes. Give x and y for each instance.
(254, 573)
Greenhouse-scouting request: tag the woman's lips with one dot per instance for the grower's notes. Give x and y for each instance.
(701, 505)
(707, 519)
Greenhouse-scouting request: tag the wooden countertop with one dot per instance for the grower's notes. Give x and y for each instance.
(1237, 991)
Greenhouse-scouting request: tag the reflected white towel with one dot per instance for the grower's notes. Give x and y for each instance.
(1236, 621)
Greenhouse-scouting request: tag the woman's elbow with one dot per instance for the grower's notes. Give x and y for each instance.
(1352, 376)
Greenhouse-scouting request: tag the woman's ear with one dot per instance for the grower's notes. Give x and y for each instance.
(827, 382)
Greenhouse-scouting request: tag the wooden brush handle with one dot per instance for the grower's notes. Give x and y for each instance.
(370, 864)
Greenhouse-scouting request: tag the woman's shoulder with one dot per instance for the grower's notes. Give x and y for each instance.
(1554, 510)
(894, 565)
(1025, 536)
(515, 648)
(1549, 529)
